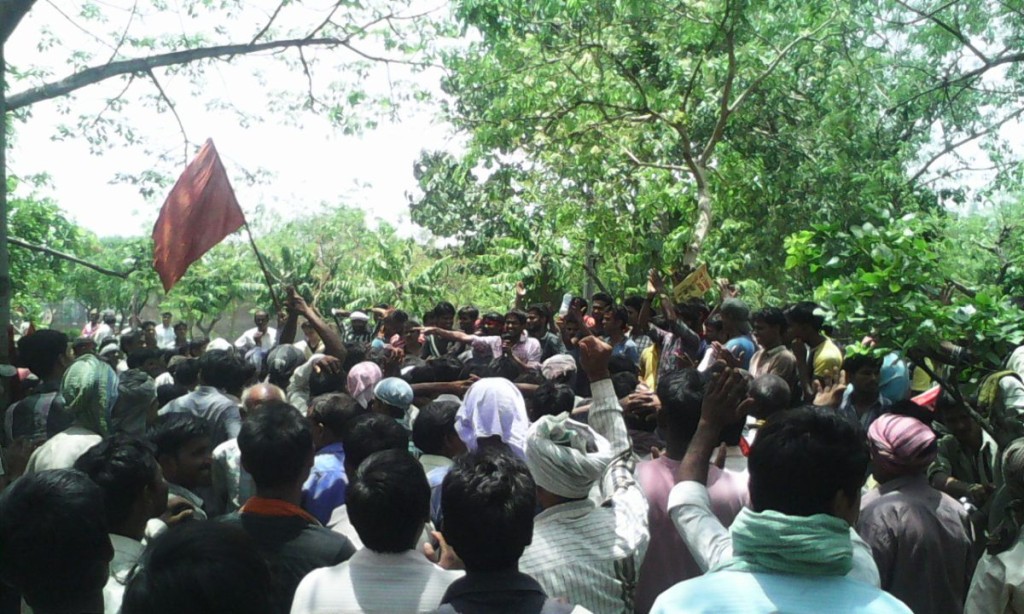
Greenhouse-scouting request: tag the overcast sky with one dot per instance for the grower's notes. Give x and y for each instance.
(310, 163)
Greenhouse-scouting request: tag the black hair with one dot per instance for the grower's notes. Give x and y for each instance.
(620, 315)
(371, 433)
(355, 353)
(129, 339)
(493, 316)
(504, 366)
(433, 425)
(771, 394)
(186, 373)
(398, 317)
(200, 567)
(469, 311)
(803, 313)
(542, 310)
(551, 399)
(715, 322)
(906, 407)
(54, 538)
(147, 324)
(572, 317)
(634, 301)
(444, 308)
(325, 382)
(621, 364)
(166, 313)
(335, 411)
(604, 297)
(482, 491)
(197, 344)
(518, 314)
(276, 445)
(772, 316)
(40, 351)
(139, 357)
(122, 467)
(165, 393)
(180, 324)
(855, 363)
(802, 458)
(445, 368)
(221, 368)
(681, 394)
(172, 432)
(388, 501)
(624, 383)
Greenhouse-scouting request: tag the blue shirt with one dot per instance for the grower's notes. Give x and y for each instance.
(743, 348)
(727, 592)
(325, 487)
(628, 349)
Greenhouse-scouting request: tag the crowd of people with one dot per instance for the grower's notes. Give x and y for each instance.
(618, 456)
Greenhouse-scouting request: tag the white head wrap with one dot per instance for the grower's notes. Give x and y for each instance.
(493, 406)
(557, 366)
(558, 457)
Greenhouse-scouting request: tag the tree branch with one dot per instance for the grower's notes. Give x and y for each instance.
(270, 21)
(665, 167)
(96, 74)
(63, 256)
(957, 34)
(124, 33)
(724, 109)
(174, 111)
(11, 12)
(967, 139)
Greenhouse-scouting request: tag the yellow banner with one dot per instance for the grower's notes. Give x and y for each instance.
(695, 285)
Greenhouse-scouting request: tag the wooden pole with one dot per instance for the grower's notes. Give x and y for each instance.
(62, 255)
(263, 267)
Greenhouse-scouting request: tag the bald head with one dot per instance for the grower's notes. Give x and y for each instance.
(771, 394)
(257, 395)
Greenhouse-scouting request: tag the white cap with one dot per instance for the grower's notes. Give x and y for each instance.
(359, 315)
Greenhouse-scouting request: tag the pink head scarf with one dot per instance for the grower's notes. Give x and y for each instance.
(361, 380)
(493, 406)
(901, 445)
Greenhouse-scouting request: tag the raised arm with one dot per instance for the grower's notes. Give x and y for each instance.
(333, 345)
(451, 335)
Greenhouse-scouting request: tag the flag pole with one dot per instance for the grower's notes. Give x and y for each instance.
(263, 267)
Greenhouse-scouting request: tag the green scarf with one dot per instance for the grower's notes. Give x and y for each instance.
(89, 390)
(770, 541)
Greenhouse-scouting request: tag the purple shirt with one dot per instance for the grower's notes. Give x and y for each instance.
(668, 560)
(527, 350)
(325, 487)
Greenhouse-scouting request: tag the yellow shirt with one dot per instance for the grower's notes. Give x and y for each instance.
(649, 366)
(827, 359)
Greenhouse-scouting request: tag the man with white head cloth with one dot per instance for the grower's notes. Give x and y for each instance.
(588, 553)
(493, 411)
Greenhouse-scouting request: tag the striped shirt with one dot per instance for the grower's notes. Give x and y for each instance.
(589, 553)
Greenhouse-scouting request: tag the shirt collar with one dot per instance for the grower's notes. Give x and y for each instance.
(492, 582)
(916, 479)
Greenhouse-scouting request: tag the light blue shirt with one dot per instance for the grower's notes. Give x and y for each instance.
(743, 348)
(725, 592)
(325, 487)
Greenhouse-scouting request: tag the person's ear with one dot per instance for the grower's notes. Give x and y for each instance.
(846, 507)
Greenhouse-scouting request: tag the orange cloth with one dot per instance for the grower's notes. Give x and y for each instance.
(277, 508)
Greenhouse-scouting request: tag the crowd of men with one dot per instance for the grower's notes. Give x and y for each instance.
(640, 455)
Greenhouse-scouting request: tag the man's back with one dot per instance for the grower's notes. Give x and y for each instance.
(209, 403)
(724, 592)
(293, 547)
(375, 582)
(919, 537)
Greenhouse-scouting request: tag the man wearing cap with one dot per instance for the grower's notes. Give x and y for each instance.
(587, 553)
(393, 397)
(736, 328)
(920, 537)
(358, 331)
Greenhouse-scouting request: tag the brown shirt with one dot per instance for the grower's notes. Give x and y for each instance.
(920, 539)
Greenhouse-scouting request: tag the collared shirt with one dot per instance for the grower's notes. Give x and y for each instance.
(232, 485)
(363, 338)
(641, 339)
(293, 543)
(921, 542)
(628, 349)
(739, 592)
(209, 403)
(981, 467)
(778, 361)
(497, 592)
(588, 553)
(711, 544)
(743, 348)
(668, 561)
(374, 582)
(550, 345)
(175, 490)
(38, 416)
(998, 584)
(527, 350)
(165, 338)
(62, 450)
(307, 350)
(127, 552)
(248, 339)
(864, 420)
(325, 487)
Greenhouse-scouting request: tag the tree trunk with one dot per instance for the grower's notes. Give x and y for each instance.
(5, 265)
(703, 225)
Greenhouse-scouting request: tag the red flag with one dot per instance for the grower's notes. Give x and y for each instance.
(199, 212)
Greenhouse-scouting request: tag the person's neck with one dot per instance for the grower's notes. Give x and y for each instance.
(816, 340)
(771, 345)
(616, 336)
(328, 441)
(290, 494)
(863, 399)
(512, 569)
(675, 450)
(133, 528)
(537, 334)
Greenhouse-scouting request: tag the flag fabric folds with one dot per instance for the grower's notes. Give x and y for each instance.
(200, 212)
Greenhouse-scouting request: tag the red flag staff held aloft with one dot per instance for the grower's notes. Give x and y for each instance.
(200, 212)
